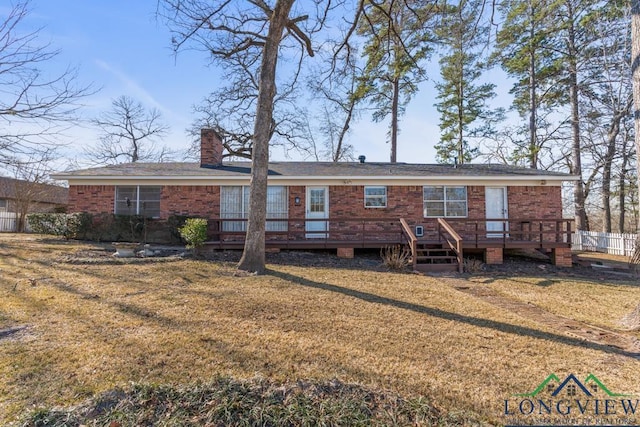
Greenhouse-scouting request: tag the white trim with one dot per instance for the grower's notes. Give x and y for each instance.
(385, 195)
(322, 234)
(502, 227)
(322, 181)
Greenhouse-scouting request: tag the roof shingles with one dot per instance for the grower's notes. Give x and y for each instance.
(310, 169)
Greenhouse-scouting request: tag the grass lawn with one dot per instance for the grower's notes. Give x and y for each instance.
(77, 323)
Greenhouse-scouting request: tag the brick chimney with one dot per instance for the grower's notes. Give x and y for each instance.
(210, 148)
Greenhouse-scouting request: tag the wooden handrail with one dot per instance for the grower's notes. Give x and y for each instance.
(457, 248)
(413, 241)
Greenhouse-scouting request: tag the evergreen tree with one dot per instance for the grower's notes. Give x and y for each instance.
(397, 41)
(525, 52)
(462, 100)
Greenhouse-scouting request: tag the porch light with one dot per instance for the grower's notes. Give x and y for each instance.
(296, 200)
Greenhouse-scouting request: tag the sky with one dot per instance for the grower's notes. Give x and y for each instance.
(121, 48)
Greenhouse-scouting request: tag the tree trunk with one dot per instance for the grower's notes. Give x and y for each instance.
(461, 95)
(576, 150)
(253, 256)
(612, 136)
(395, 101)
(635, 72)
(533, 107)
(622, 188)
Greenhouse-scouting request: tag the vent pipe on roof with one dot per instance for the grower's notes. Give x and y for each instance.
(455, 163)
(362, 158)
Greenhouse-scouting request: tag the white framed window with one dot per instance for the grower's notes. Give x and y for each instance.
(141, 200)
(234, 204)
(445, 201)
(375, 197)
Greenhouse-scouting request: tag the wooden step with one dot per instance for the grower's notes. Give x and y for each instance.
(450, 258)
(433, 252)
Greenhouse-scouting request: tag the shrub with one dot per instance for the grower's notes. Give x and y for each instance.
(395, 257)
(194, 232)
(69, 226)
(472, 265)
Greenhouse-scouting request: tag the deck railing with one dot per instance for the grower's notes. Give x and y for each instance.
(368, 232)
(327, 232)
(537, 232)
(412, 241)
(453, 239)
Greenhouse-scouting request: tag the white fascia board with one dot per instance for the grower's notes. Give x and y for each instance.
(515, 180)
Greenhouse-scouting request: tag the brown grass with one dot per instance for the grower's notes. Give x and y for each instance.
(77, 325)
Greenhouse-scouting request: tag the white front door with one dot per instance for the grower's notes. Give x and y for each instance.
(496, 208)
(317, 208)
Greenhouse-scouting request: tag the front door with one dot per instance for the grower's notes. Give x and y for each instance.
(317, 209)
(496, 208)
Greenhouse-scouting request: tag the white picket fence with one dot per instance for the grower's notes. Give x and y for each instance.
(8, 222)
(610, 243)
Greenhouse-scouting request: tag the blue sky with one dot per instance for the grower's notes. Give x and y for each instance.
(122, 49)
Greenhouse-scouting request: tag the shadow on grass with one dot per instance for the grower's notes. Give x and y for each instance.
(130, 309)
(461, 318)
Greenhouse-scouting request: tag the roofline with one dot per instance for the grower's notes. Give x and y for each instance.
(332, 180)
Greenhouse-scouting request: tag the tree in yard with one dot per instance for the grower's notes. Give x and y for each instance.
(246, 37)
(336, 89)
(34, 106)
(129, 133)
(29, 186)
(635, 73)
(462, 101)
(607, 102)
(397, 41)
(523, 52)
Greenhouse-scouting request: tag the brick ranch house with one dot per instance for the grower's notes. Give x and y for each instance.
(439, 211)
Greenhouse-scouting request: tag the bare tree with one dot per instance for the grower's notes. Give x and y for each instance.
(247, 38)
(30, 185)
(34, 106)
(635, 73)
(129, 134)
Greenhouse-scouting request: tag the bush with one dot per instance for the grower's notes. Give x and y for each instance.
(69, 226)
(194, 232)
(395, 257)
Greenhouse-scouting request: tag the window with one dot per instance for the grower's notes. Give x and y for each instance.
(234, 203)
(442, 201)
(138, 200)
(3, 205)
(375, 197)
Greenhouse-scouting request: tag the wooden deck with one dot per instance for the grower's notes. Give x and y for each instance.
(451, 235)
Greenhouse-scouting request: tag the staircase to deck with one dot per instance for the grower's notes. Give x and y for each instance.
(444, 255)
(435, 258)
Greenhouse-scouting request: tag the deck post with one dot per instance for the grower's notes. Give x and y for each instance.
(345, 253)
(493, 256)
(561, 257)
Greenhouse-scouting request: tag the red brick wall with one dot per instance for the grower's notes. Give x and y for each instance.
(192, 200)
(91, 198)
(535, 202)
(210, 148)
(344, 201)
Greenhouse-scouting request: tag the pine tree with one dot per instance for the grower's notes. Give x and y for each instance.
(524, 51)
(462, 100)
(397, 41)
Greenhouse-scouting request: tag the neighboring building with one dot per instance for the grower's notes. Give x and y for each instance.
(344, 205)
(15, 193)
